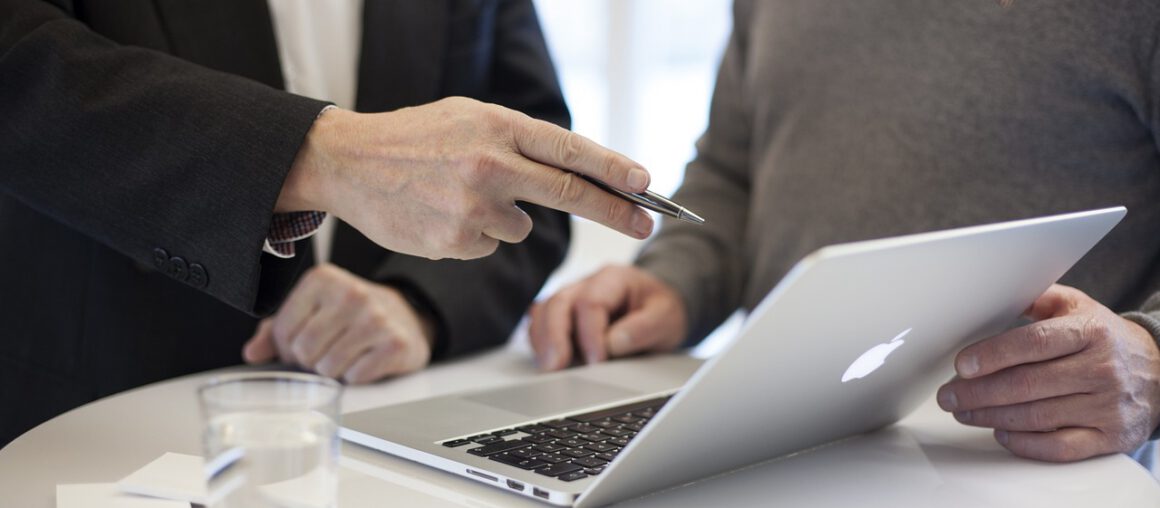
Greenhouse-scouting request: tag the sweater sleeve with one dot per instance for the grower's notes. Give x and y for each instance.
(174, 165)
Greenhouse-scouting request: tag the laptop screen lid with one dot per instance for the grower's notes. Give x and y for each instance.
(853, 338)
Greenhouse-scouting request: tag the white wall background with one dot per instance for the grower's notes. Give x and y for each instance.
(637, 75)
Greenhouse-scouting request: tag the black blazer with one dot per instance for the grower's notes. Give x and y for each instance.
(136, 188)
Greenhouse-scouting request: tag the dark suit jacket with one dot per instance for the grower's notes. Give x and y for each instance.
(136, 188)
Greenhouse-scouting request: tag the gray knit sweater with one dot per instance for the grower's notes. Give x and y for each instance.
(842, 120)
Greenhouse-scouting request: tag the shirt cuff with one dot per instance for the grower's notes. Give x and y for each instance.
(287, 228)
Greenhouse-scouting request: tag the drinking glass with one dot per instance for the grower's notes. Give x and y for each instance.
(271, 440)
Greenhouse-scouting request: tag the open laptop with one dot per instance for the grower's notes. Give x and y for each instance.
(809, 366)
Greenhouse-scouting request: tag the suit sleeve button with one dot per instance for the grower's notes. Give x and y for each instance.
(160, 258)
(178, 269)
(197, 276)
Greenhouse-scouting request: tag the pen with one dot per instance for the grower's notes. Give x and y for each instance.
(652, 201)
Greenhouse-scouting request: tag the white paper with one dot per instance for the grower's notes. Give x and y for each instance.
(107, 495)
(172, 476)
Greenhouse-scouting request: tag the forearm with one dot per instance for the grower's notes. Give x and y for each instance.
(141, 150)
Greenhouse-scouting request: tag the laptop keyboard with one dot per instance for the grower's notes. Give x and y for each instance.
(567, 449)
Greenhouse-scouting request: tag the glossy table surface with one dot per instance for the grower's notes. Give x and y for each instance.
(927, 459)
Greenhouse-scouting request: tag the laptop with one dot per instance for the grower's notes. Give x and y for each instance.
(853, 338)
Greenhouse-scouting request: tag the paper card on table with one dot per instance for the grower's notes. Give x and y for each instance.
(107, 495)
(171, 476)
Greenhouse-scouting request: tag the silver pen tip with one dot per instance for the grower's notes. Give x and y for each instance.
(688, 215)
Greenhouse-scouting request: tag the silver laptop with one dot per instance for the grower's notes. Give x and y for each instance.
(853, 338)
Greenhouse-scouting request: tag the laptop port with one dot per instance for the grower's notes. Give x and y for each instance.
(515, 485)
(540, 492)
(483, 475)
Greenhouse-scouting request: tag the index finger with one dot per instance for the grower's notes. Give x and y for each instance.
(562, 190)
(554, 146)
(1036, 342)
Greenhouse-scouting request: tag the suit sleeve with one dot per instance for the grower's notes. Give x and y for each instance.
(151, 155)
(478, 303)
(704, 263)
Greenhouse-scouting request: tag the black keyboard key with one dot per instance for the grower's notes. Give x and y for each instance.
(571, 477)
(604, 424)
(549, 447)
(525, 453)
(558, 469)
(595, 437)
(627, 419)
(554, 458)
(594, 471)
(584, 428)
(576, 452)
(539, 439)
(619, 410)
(601, 447)
(636, 427)
(456, 442)
(606, 456)
(560, 434)
(571, 443)
(558, 424)
(502, 446)
(620, 441)
(618, 432)
(533, 429)
(589, 462)
(518, 462)
(488, 439)
(504, 432)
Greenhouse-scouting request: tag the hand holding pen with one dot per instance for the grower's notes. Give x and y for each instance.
(651, 201)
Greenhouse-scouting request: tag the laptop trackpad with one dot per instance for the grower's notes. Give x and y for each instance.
(562, 395)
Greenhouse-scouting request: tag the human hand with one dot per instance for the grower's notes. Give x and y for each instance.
(618, 311)
(442, 179)
(1080, 381)
(344, 327)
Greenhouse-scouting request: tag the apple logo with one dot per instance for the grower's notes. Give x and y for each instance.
(873, 358)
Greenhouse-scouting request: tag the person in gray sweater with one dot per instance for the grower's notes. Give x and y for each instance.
(848, 120)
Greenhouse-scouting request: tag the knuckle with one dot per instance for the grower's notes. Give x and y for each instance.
(568, 188)
(481, 166)
(1038, 339)
(1097, 331)
(1023, 382)
(377, 322)
(569, 149)
(619, 211)
(1035, 419)
(357, 295)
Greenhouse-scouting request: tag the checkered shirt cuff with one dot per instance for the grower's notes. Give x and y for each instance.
(287, 228)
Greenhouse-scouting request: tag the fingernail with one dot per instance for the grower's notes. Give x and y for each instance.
(1001, 436)
(947, 400)
(642, 224)
(638, 179)
(962, 416)
(968, 365)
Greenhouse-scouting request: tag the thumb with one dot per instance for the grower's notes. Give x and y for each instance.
(645, 329)
(260, 348)
(1057, 301)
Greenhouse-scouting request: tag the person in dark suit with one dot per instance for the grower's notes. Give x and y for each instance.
(147, 147)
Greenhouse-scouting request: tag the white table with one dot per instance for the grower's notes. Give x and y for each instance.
(926, 460)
